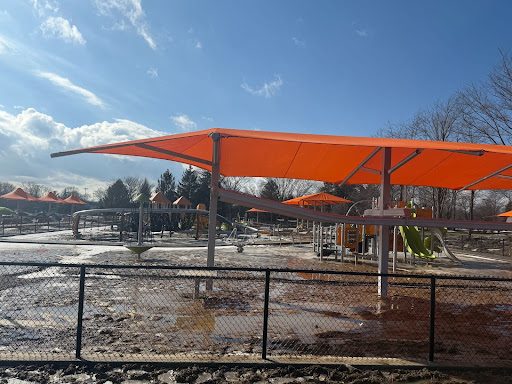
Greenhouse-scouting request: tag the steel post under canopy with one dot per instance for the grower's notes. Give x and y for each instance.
(214, 198)
(385, 199)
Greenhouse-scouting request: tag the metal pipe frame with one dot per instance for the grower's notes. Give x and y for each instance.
(495, 173)
(367, 159)
(306, 214)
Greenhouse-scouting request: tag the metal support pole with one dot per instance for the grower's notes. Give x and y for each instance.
(384, 200)
(432, 318)
(265, 315)
(214, 199)
(80, 313)
(141, 223)
(343, 228)
(395, 250)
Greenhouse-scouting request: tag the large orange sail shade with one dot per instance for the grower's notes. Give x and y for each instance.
(333, 159)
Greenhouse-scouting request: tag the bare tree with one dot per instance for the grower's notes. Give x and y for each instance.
(36, 190)
(487, 106)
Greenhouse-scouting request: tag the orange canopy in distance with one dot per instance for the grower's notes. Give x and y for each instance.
(256, 210)
(506, 214)
(18, 194)
(51, 197)
(73, 200)
(317, 199)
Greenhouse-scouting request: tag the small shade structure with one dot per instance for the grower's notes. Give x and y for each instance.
(508, 215)
(50, 198)
(73, 200)
(18, 195)
(333, 159)
(182, 201)
(317, 199)
(160, 200)
(257, 213)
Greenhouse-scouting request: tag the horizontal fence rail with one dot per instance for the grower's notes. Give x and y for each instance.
(52, 311)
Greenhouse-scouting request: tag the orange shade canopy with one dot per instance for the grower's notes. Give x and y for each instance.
(505, 214)
(317, 199)
(256, 210)
(73, 200)
(19, 194)
(51, 197)
(334, 159)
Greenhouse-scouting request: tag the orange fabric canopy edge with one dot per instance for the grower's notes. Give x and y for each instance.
(329, 158)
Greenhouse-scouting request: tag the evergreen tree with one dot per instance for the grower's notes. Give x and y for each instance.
(189, 185)
(204, 186)
(145, 188)
(167, 185)
(270, 190)
(116, 196)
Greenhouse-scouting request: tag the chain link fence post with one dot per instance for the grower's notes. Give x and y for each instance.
(80, 313)
(432, 318)
(265, 315)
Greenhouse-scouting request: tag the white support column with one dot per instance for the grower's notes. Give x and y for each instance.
(384, 200)
(214, 198)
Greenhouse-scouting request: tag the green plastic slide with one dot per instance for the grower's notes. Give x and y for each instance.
(414, 243)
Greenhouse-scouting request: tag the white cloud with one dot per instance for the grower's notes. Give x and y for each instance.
(60, 28)
(67, 85)
(18, 107)
(132, 11)
(152, 72)
(209, 119)
(268, 89)
(28, 137)
(6, 46)
(298, 42)
(199, 45)
(183, 122)
(2, 106)
(362, 32)
(42, 7)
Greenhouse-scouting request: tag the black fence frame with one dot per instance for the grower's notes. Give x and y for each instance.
(83, 267)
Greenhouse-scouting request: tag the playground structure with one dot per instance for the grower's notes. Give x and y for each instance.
(361, 240)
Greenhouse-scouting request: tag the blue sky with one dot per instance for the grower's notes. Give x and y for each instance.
(76, 73)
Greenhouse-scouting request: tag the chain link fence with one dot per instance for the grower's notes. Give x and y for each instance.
(54, 312)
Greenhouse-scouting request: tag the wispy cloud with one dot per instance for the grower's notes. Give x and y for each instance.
(152, 72)
(60, 28)
(132, 11)
(67, 85)
(2, 106)
(42, 7)
(268, 89)
(18, 107)
(362, 32)
(199, 45)
(298, 42)
(6, 46)
(184, 122)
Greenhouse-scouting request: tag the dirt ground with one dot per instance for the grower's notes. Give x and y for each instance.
(147, 373)
(224, 304)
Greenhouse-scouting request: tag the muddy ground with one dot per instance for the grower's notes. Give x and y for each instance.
(115, 326)
(146, 373)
